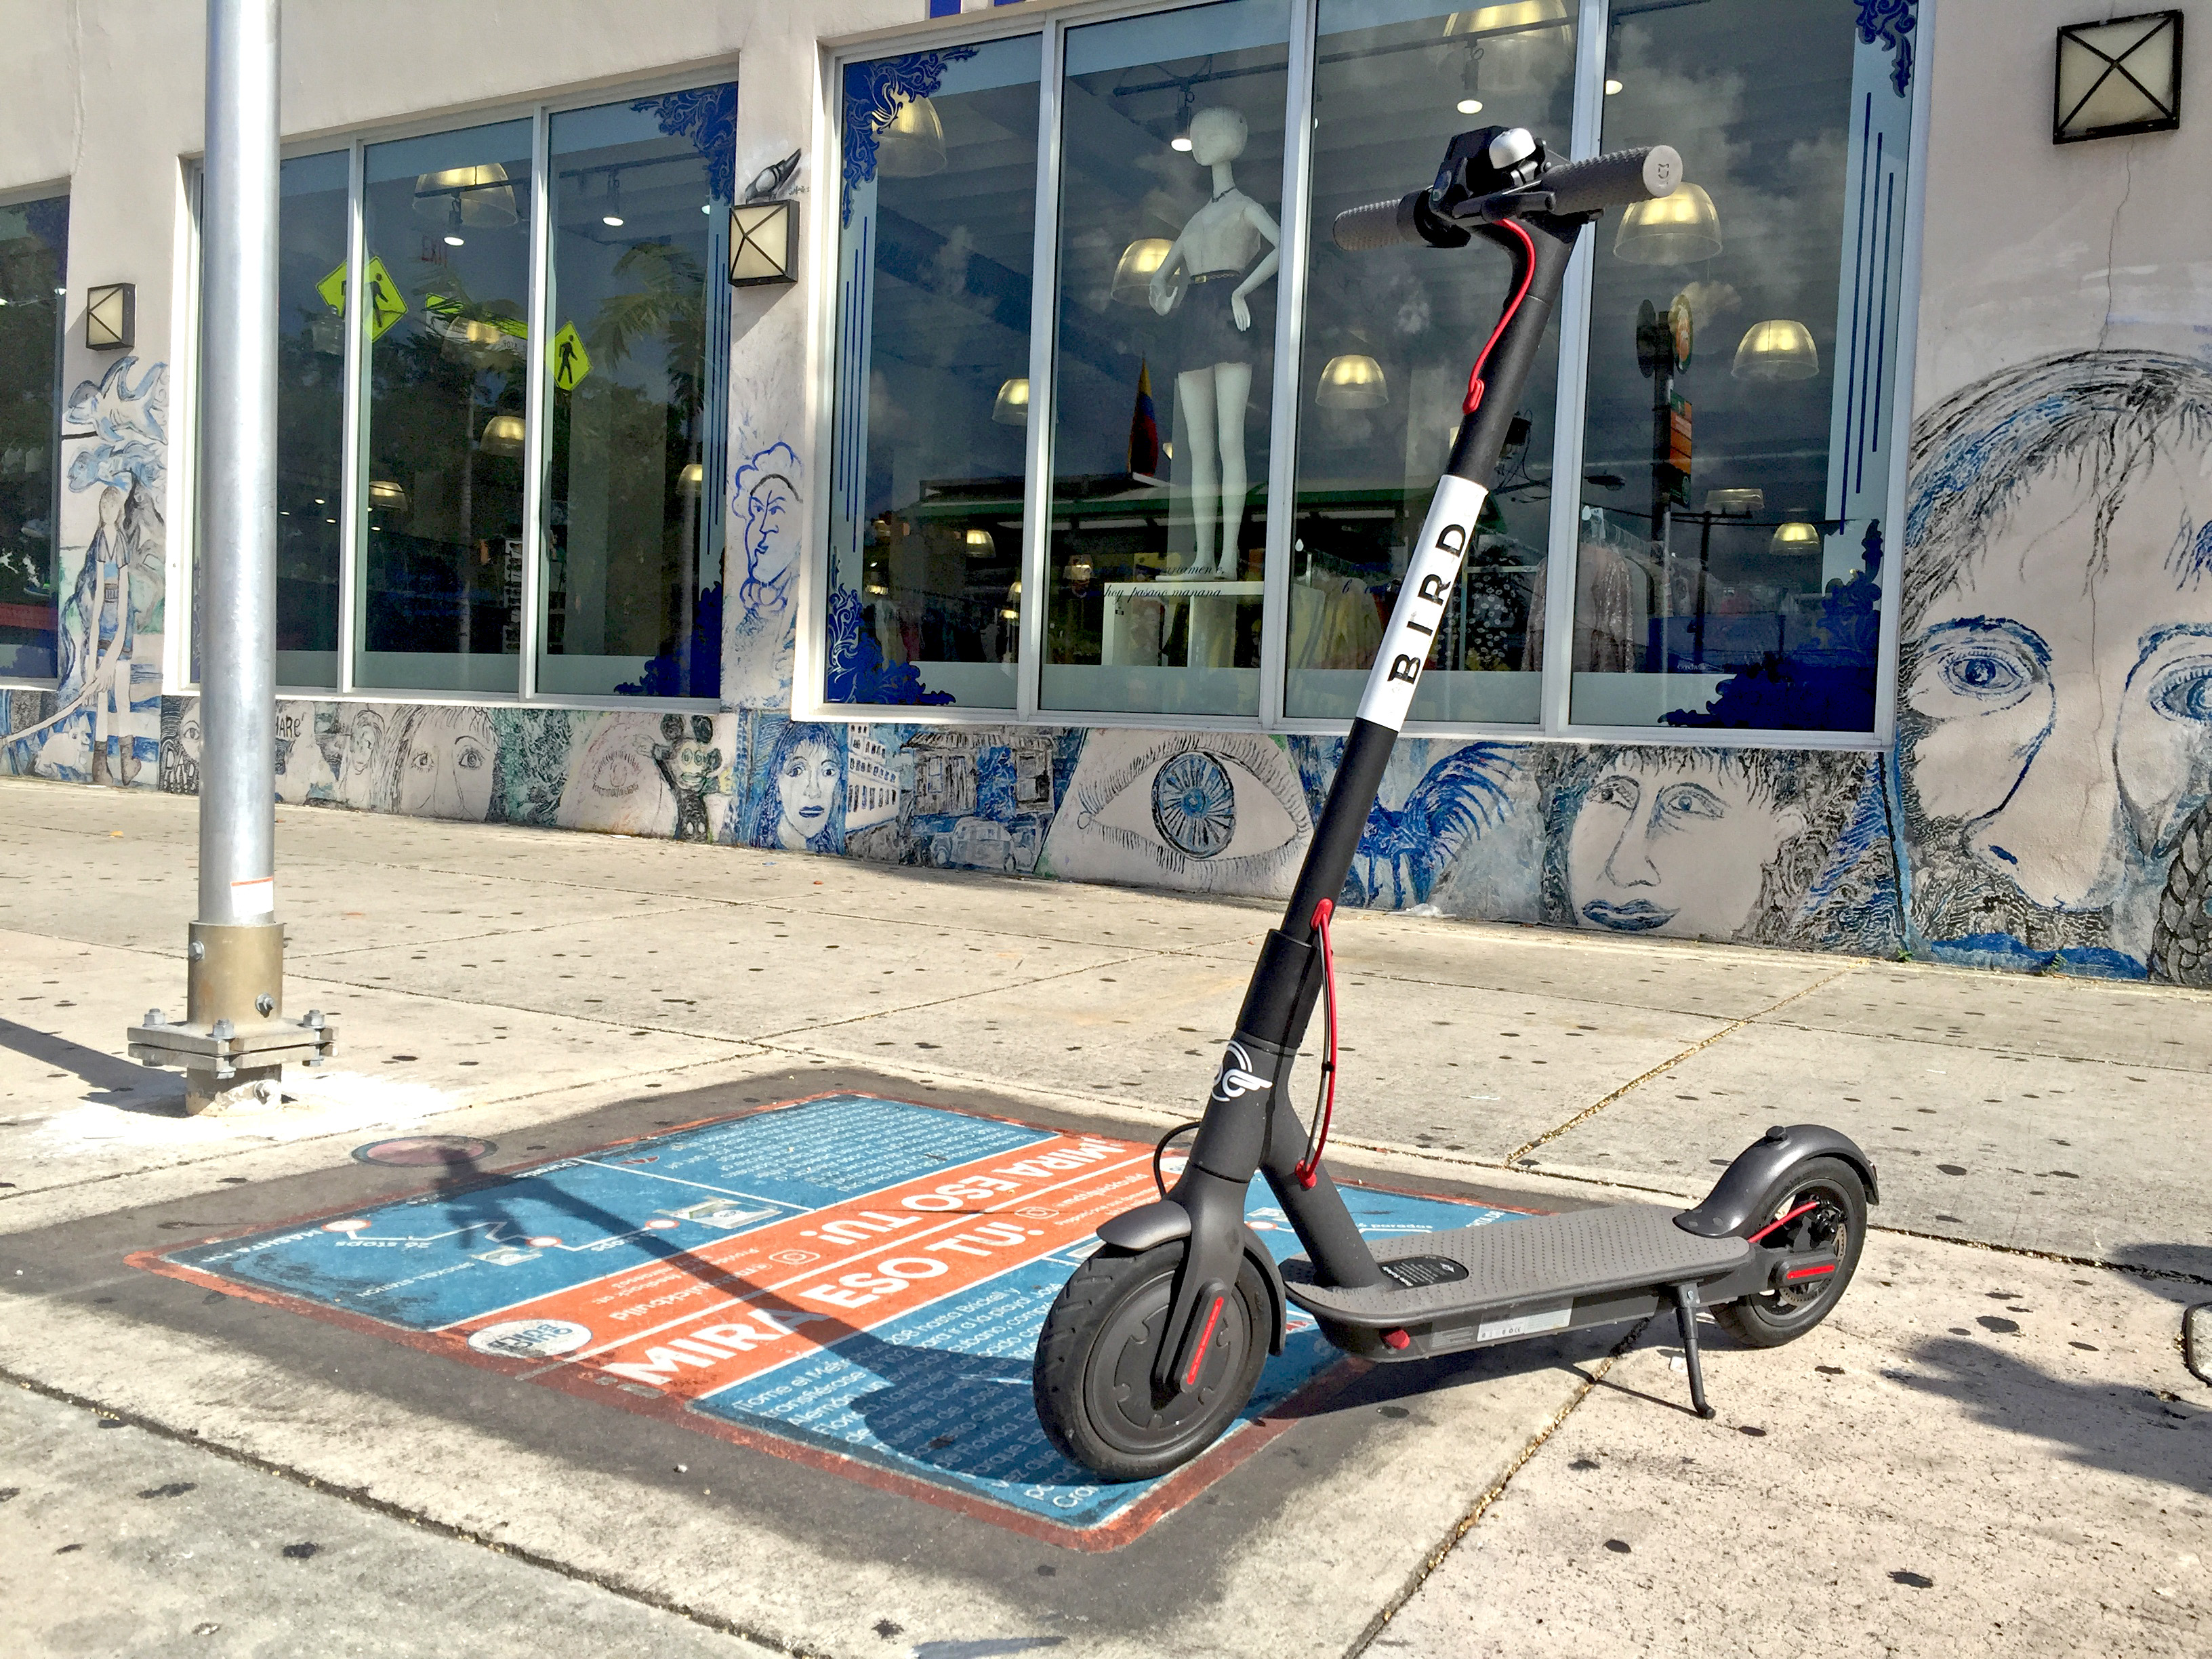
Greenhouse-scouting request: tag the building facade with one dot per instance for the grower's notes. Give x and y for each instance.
(1033, 504)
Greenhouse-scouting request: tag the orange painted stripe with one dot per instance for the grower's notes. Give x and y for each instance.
(691, 1324)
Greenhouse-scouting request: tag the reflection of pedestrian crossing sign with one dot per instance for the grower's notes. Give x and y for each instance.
(571, 362)
(386, 308)
(333, 289)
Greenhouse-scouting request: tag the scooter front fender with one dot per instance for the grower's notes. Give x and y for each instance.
(1163, 1222)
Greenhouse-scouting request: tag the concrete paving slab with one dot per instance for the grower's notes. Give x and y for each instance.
(1287, 1553)
(2096, 1161)
(1444, 1067)
(729, 972)
(1720, 982)
(1976, 1454)
(117, 1541)
(2019, 1013)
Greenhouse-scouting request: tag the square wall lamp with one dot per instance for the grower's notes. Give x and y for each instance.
(2117, 78)
(111, 316)
(764, 243)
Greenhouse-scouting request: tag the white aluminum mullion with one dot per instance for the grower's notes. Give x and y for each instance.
(1290, 336)
(1570, 403)
(353, 516)
(536, 445)
(1044, 311)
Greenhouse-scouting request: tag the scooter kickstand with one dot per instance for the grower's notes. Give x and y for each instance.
(1685, 1320)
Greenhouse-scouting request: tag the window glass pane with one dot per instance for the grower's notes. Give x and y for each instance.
(449, 238)
(1389, 337)
(1171, 186)
(33, 254)
(935, 251)
(636, 311)
(1742, 333)
(311, 284)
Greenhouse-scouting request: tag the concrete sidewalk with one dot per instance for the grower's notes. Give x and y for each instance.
(1993, 1445)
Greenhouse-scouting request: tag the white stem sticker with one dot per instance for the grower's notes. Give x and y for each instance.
(1422, 600)
(254, 898)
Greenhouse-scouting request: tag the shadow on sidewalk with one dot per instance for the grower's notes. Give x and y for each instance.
(111, 1080)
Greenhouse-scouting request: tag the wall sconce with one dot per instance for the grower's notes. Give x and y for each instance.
(2118, 77)
(1132, 277)
(1012, 407)
(763, 242)
(1673, 230)
(1352, 380)
(1781, 349)
(111, 316)
(502, 435)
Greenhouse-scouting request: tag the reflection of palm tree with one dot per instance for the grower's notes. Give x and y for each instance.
(666, 301)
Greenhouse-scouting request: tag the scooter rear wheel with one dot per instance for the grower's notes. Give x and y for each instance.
(1093, 1375)
(1837, 1223)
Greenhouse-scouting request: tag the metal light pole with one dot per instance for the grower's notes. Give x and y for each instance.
(234, 1032)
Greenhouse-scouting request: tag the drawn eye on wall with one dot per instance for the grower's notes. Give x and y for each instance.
(1221, 810)
(1976, 667)
(1679, 801)
(468, 754)
(617, 775)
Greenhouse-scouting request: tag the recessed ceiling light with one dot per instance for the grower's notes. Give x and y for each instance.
(1183, 144)
(614, 219)
(453, 241)
(1611, 87)
(1469, 107)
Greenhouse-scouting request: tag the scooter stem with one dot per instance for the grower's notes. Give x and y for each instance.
(1250, 1127)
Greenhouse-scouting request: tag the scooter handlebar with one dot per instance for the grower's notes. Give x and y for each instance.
(1626, 176)
(1380, 224)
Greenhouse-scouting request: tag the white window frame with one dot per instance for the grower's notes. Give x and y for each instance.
(354, 146)
(1050, 23)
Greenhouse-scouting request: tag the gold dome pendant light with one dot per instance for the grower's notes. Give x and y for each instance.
(911, 143)
(502, 435)
(1673, 230)
(481, 197)
(1352, 380)
(1797, 536)
(1012, 407)
(1132, 277)
(1778, 350)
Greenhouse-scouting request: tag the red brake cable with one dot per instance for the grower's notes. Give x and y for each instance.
(1783, 1222)
(1475, 384)
(1308, 1169)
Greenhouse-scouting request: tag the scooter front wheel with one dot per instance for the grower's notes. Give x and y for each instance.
(1093, 1375)
(1832, 1200)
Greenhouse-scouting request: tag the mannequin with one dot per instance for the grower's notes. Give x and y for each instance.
(1204, 285)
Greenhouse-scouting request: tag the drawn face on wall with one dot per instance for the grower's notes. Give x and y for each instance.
(616, 785)
(358, 769)
(2059, 711)
(180, 752)
(772, 532)
(445, 766)
(806, 791)
(1663, 845)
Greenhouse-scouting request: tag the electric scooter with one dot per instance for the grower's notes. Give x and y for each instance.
(1157, 1341)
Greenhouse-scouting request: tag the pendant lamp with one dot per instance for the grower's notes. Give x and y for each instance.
(1673, 230)
(911, 144)
(1132, 277)
(480, 196)
(1012, 407)
(1797, 536)
(502, 435)
(1779, 349)
(1352, 380)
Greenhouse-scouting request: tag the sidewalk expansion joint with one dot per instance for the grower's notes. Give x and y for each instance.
(1596, 1106)
(360, 1499)
(1435, 1558)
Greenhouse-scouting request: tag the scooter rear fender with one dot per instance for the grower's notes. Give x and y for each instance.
(1733, 1205)
(1151, 1225)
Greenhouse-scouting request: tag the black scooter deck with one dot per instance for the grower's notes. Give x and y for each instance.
(1547, 1273)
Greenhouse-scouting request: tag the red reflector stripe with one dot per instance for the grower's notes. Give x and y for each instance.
(1205, 1337)
(1811, 1272)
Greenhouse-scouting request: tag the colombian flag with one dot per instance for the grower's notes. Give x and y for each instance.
(1144, 428)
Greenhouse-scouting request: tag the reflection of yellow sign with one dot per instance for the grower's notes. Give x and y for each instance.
(333, 289)
(386, 308)
(571, 362)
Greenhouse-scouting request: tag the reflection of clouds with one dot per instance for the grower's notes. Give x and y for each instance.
(1216, 811)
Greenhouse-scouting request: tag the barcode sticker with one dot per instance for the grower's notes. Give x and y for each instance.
(1552, 1318)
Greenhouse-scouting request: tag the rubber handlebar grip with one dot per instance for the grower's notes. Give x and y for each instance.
(1616, 181)
(1380, 224)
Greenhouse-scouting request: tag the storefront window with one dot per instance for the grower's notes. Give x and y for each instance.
(34, 271)
(635, 309)
(1172, 136)
(445, 303)
(935, 254)
(1742, 333)
(311, 298)
(1389, 336)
